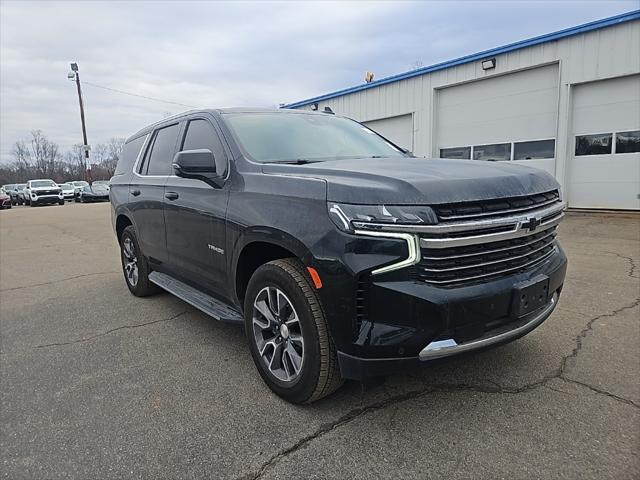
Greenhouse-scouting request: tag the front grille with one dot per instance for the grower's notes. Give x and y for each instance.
(494, 208)
(480, 262)
(46, 192)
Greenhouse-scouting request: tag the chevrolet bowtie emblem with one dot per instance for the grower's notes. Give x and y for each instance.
(531, 223)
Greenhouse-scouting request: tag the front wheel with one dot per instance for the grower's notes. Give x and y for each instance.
(32, 203)
(288, 333)
(61, 202)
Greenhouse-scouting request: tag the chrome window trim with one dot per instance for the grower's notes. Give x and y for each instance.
(413, 246)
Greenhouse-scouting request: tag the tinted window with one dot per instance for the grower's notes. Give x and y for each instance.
(164, 144)
(492, 153)
(201, 134)
(593, 144)
(628, 142)
(129, 155)
(272, 137)
(456, 152)
(535, 149)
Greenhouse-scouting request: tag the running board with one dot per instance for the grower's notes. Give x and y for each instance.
(203, 302)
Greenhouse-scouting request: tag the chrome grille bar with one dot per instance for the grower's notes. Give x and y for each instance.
(494, 273)
(482, 264)
(551, 231)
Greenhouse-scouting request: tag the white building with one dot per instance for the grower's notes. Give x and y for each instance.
(567, 102)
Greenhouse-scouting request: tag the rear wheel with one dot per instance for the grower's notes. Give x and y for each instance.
(288, 334)
(134, 265)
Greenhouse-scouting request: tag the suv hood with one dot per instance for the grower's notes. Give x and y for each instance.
(413, 181)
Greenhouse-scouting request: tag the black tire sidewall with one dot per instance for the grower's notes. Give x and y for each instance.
(141, 288)
(303, 387)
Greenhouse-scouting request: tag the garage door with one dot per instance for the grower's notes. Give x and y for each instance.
(397, 129)
(604, 168)
(506, 117)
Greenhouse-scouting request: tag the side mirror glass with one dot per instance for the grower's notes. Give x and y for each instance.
(198, 164)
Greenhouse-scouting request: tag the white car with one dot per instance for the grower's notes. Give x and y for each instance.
(68, 190)
(77, 186)
(43, 191)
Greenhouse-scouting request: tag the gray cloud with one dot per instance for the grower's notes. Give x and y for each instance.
(221, 54)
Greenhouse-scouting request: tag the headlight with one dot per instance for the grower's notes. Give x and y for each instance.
(349, 217)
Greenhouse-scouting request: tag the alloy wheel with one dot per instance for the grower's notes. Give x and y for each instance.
(130, 261)
(277, 333)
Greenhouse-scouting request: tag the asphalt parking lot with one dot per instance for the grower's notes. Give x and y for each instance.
(96, 383)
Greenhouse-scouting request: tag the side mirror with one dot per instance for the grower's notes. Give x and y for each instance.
(198, 164)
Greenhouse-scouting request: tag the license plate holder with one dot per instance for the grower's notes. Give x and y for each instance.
(529, 296)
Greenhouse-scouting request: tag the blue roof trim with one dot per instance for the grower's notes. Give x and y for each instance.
(549, 37)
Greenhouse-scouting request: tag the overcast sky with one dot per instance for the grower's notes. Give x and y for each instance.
(217, 54)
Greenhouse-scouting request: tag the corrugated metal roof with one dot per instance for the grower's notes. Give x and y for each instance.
(549, 37)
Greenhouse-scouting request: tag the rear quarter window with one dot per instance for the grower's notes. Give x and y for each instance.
(129, 155)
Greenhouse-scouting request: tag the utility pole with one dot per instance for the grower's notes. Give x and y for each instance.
(74, 74)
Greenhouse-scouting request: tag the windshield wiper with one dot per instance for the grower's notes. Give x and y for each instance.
(297, 161)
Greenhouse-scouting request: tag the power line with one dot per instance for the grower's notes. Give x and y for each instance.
(136, 95)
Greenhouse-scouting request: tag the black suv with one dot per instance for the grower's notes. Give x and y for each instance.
(342, 254)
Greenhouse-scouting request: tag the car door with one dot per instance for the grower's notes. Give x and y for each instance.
(195, 214)
(146, 191)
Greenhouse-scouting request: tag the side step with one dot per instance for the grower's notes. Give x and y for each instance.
(207, 304)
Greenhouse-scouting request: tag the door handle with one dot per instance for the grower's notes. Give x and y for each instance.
(171, 196)
(135, 193)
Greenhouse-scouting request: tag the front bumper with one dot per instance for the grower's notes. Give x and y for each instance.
(406, 324)
(47, 198)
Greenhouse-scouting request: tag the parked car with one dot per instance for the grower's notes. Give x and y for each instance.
(102, 182)
(8, 188)
(93, 193)
(38, 192)
(5, 200)
(68, 190)
(78, 185)
(17, 194)
(341, 254)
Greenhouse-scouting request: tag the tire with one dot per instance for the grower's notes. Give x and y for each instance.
(141, 287)
(32, 203)
(61, 202)
(318, 373)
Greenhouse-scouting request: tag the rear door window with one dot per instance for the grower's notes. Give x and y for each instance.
(162, 150)
(129, 155)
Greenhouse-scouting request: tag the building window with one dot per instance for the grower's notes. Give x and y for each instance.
(456, 152)
(593, 144)
(534, 149)
(628, 142)
(492, 153)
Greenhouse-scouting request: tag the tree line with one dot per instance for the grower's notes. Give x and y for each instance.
(39, 157)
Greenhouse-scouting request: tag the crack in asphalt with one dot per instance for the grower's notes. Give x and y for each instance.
(600, 391)
(632, 264)
(355, 413)
(57, 281)
(123, 327)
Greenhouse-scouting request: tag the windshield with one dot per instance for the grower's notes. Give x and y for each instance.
(21, 186)
(274, 137)
(8, 187)
(42, 183)
(99, 186)
(81, 184)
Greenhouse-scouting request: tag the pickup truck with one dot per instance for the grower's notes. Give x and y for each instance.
(43, 191)
(341, 254)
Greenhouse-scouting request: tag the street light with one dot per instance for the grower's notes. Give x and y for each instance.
(74, 74)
